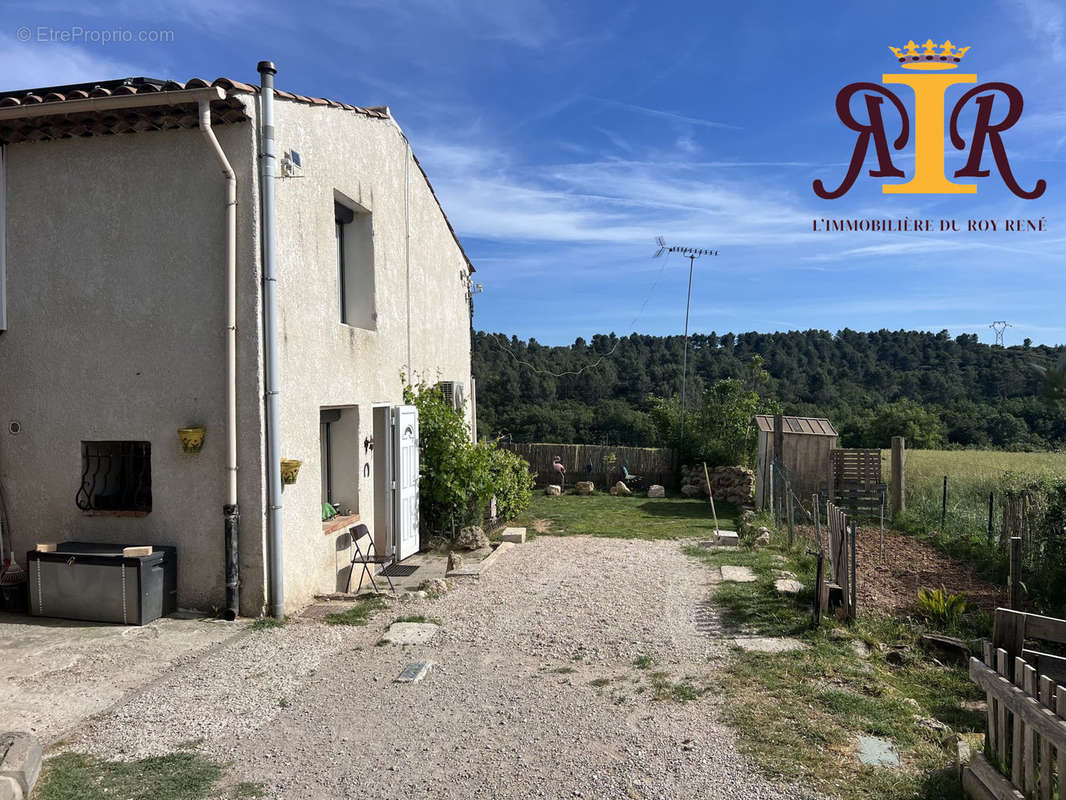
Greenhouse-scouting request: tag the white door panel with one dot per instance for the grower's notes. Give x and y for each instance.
(405, 480)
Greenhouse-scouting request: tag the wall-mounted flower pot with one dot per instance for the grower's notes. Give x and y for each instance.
(192, 439)
(290, 470)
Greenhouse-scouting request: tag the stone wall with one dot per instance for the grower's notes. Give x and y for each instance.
(731, 484)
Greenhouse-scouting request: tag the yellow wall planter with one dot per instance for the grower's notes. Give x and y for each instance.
(192, 439)
(290, 469)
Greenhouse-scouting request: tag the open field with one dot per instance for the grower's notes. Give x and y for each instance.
(602, 514)
(924, 466)
(966, 527)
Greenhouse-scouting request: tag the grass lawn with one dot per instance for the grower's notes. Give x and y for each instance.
(798, 714)
(602, 514)
(177, 776)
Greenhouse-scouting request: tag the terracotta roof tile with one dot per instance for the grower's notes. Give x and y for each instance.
(229, 110)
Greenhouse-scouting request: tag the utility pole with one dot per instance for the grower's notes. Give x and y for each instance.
(999, 326)
(691, 253)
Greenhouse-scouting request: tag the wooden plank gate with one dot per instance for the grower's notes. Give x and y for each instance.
(842, 557)
(1025, 738)
(856, 480)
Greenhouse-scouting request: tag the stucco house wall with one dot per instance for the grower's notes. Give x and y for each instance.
(116, 315)
(325, 363)
(116, 312)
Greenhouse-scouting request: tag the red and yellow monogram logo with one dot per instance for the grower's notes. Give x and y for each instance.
(929, 83)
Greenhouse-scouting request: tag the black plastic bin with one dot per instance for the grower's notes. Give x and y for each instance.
(95, 582)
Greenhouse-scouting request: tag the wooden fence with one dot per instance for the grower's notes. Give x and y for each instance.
(652, 464)
(1025, 739)
(842, 568)
(857, 482)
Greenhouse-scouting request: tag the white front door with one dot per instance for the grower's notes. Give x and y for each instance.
(405, 481)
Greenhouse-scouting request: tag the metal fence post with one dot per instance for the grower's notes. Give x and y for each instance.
(944, 506)
(991, 498)
(791, 513)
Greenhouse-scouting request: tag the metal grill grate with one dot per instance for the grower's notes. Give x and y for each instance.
(115, 476)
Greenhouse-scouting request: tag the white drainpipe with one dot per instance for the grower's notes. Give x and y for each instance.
(231, 512)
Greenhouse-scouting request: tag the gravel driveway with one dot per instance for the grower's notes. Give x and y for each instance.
(517, 706)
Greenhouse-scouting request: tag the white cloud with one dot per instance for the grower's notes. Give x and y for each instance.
(32, 64)
(1045, 21)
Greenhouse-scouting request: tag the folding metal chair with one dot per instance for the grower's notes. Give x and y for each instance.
(366, 554)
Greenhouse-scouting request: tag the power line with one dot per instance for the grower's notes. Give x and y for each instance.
(599, 360)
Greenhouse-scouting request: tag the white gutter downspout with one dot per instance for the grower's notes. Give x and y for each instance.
(407, 249)
(231, 511)
(267, 71)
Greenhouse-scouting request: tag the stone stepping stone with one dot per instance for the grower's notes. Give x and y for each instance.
(513, 535)
(770, 644)
(415, 671)
(410, 632)
(877, 752)
(788, 586)
(737, 574)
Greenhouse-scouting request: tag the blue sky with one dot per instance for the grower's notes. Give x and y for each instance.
(563, 137)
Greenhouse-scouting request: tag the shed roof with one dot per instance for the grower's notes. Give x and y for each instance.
(814, 426)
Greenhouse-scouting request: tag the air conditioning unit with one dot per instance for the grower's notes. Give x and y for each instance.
(454, 393)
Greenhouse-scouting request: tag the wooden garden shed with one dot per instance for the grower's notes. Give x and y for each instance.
(806, 445)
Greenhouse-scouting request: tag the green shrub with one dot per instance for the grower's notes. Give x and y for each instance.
(458, 478)
(512, 483)
(941, 606)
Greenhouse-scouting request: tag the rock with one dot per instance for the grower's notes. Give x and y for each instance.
(656, 491)
(620, 488)
(763, 539)
(860, 648)
(838, 634)
(410, 632)
(942, 731)
(471, 538)
(435, 586)
(947, 648)
(877, 752)
(20, 761)
(416, 597)
(910, 702)
(784, 573)
(897, 656)
(788, 586)
(455, 561)
(768, 644)
(963, 754)
(554, 490)
(737, 574)
(747, 516)
(585, 487)
(691, 491)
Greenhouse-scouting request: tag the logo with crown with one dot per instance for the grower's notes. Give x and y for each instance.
(928, 73)
(933, 56)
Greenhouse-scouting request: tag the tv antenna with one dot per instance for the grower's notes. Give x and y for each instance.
(691, 253)
(999, 326)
